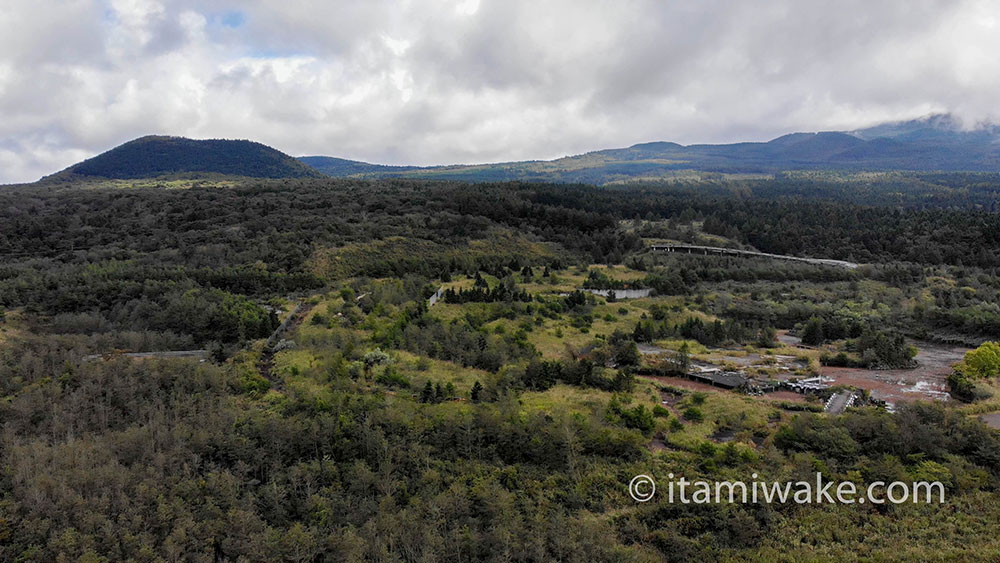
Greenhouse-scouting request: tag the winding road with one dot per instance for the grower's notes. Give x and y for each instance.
(697, 249)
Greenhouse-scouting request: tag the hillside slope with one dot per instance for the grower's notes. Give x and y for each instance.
(162, 156)
(341, 167)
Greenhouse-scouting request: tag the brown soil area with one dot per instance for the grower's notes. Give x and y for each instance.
(743, 361)
(658, 445)
(926, 381)
(681, 383)
(992, 420)
(787, 339)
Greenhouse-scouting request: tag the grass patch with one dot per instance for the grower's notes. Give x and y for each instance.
(419, 369)
(720, 409)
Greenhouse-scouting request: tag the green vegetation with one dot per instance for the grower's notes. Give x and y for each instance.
(155, 157)
(983, 363)
(875, 349)
(503, 420)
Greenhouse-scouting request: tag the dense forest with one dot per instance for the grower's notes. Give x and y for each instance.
(444, 384)
(156, 156)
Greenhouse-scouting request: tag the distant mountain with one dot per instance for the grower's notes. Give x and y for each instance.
(934, 143)
(342, 167)
(940, 128)
(160, 157)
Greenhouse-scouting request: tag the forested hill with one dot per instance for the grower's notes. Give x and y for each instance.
(936, 143)
(161, 156)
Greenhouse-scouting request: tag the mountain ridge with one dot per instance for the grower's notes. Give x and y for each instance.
(933, 143)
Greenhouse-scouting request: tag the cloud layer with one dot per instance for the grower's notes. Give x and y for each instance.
(449, 81)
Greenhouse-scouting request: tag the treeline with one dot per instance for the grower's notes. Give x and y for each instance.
(713, 333)
(597, 279)
(860, 232)
(921, 433)
(481, 292)
(540, 375)
(254, 222)
(875, 349)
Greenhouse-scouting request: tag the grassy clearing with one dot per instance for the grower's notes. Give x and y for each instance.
(720, 410)
(419, 369)
(566, 398)
(11, 323)
(297, 361)
(986, 406)
(375, 256)
(305, 369)
(315, 325)
(567, 280)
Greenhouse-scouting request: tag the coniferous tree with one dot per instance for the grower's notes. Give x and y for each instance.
(427, 395)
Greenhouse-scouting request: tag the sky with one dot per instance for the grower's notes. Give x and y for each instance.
(469, 81)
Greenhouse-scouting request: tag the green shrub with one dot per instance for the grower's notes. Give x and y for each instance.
(392, 378)
(694, 414)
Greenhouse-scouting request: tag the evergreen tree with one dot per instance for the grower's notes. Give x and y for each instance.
(766, 336)
(812, 334)
(682, 360)
(428, 393)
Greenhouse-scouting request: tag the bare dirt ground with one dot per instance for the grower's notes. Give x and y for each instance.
(992, 420)
(787, 339)
(743, 361)
(926, 381)
(649, 349)
(658, 444)
(682, 383)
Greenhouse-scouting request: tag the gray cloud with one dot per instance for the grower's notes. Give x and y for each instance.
(444, 81)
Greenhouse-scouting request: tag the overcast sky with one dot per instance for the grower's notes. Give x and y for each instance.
(446, 81)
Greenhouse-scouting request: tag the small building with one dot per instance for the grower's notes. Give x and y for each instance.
(724, 379)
